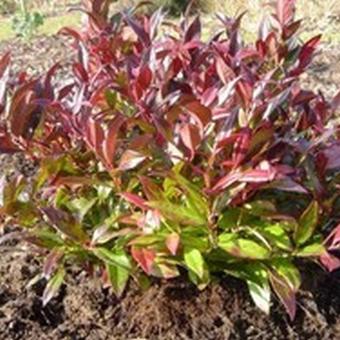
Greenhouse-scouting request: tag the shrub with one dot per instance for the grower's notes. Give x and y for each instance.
(165, 155)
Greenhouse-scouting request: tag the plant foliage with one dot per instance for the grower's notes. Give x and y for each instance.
(166, 154)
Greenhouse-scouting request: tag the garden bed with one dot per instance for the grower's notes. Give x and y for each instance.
(167, 310)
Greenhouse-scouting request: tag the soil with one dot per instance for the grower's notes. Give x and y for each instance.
(167, 310)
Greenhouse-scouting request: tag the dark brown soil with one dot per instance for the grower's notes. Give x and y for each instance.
(172, 310)
(167, 310)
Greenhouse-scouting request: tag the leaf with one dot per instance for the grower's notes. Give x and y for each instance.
(256, 276)
(110, 141)
(330, 262)
(312, 250)
(177, 213)
(307, 223)
(277, 235)
(194, 261)
(287, 270)
(136, 200)
(113, 258)
(194, 30)
(191, 138)
(65, 223)
(259, 290)
(53, 286)
(51, 261)
(119, 278)
(144, 257)
(130, 160)
(285, 11)
(166, 271)
(172, 243)
(285, 293)
(242, 248)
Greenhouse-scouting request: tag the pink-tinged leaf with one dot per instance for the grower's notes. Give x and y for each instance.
(65, 223)
(191, 138)
(110, 143)
(193, 31)
(284, 292)
(241, 147)
(4, 63)
(138, 29)
(305, 55)
(95, 135)
(226, 91)
(225, 73)
(53, 286)
(332, 155)
(151, 190)
(334, 237)
(144, 257)
(285, 11)
(258, 176)
(291, 29)
(226, 181)
(172, 243)
(51, 262)
(336, 102)
(135, 199)
(330, 262)
(130, 160)
(200, 111)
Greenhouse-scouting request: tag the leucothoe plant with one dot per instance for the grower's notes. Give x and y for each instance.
(167, 154)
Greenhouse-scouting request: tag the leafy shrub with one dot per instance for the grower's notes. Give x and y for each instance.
(166, 154)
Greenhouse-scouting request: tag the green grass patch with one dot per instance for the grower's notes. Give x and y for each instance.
(51, 25)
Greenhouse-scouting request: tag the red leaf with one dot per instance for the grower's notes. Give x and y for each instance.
(307, 51)
(95, 135)
(110, 143)
(194, 30)
(135, 199)
(191, 138)
(202, 112)
(144, 257)
(172, 243)
(144, 77)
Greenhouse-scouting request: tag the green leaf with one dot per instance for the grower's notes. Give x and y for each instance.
(312, 250)
(119, 259)
(288, 271)
(177, 213)
(119, 278)
(230, 218)
(242, 248)
(194, 195)
(307, 223)
(53, 286)
(256, 276)
(194, 261)
(259, 290)
(82, 206)
(277, 236)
